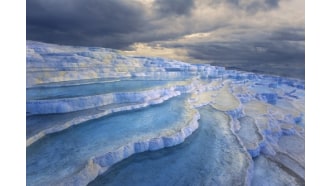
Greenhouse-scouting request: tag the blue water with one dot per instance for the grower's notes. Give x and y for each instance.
(62, 154)
(79, 82)
(37, 123)
(90, 89)
(210, 156)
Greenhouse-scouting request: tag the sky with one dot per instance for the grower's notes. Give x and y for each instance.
(266, 36)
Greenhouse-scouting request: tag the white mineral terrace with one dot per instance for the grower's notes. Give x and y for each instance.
(97, 117)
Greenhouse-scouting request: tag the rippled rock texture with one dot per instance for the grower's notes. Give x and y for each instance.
(96, 117)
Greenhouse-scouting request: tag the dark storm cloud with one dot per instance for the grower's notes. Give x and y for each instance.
(107, 23)
(253, 7)
(84, 22)
(282, 53)
(285, 43)
(272, 3)
(252, 52)
(117, 24)
(177, 7)
(278, 58)
(288, 34)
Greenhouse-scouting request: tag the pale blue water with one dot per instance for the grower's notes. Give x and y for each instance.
(62, 154)
(37, 123)
(91, 89)
(210, 156)
(79, 82)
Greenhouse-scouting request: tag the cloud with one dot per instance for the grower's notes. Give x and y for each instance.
(119, 24)
(254, 6)
(289, 34)
(248, 52)
(156, 51)
(113, 23)
(83, 21)
(281, 52)
(176, 7)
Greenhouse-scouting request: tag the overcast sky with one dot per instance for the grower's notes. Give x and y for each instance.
(245, 34)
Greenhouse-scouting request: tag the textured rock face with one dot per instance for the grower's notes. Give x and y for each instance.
(89, 110)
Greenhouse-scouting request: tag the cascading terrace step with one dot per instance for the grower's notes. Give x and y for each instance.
(37, 126)
(90, 109)
(66, 157)
(52, 115)
(210, 156)
(89, 89)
